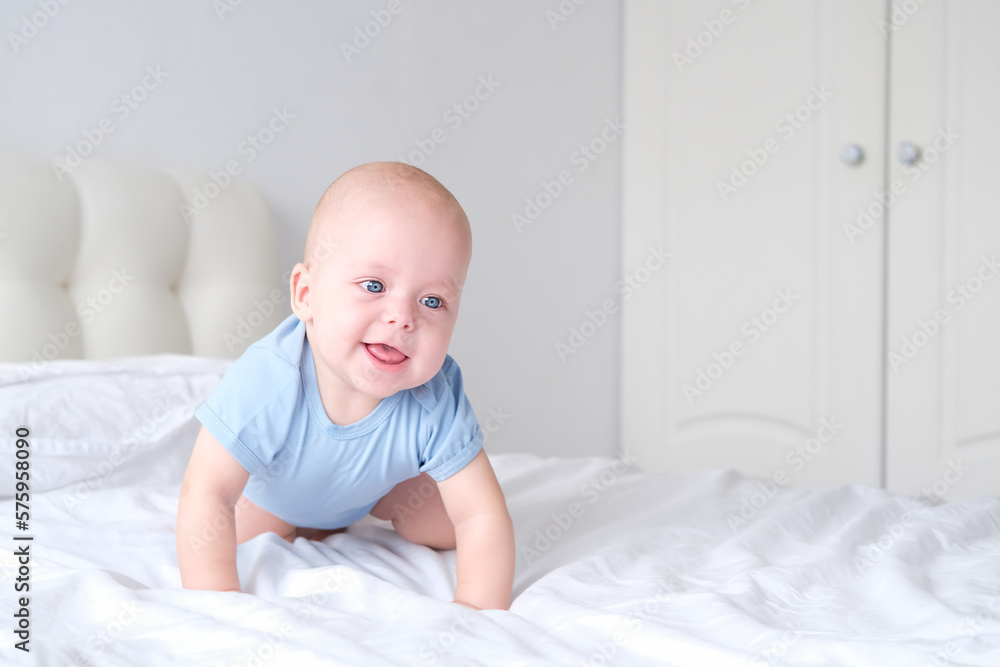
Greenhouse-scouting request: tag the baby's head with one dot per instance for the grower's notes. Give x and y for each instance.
(379, 287)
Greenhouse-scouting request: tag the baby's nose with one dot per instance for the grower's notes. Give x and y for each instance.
(400, 313)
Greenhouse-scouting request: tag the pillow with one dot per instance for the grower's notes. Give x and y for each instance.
(99, 424)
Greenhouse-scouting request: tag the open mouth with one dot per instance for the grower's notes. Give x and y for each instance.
(385, 354)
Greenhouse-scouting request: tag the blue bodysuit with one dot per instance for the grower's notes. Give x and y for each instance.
(266, 411)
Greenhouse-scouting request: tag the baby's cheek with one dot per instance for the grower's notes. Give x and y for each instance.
(340, 322)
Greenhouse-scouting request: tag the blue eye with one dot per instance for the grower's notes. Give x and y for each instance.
(431, 301)
(373, 286)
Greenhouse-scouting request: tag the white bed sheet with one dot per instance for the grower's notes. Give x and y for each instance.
(614, 566)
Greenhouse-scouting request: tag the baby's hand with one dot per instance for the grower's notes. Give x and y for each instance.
(484, 536)
(212, 485)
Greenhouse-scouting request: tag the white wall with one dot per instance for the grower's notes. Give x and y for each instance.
(224, 73)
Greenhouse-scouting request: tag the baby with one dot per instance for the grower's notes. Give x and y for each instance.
(352, 406)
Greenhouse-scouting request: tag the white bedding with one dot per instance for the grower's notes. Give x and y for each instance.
(614, 566)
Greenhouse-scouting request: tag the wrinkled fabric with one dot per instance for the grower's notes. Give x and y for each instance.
(614, 566)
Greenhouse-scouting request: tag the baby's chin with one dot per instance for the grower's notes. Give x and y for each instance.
(379, 390)
(384, 384)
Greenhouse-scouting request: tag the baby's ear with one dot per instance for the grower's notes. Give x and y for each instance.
(299, 286)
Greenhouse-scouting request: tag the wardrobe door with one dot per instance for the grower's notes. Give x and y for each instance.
(758, 343)
(943, 356)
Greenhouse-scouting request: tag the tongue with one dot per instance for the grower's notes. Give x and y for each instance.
(386, 353)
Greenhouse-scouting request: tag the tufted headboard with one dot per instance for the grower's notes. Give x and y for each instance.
(113, 260)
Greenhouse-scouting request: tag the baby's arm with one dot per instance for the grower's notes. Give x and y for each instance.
(484, 535)
(206, 517)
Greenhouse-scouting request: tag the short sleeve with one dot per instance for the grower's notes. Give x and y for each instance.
(250, 411)
(454, 436)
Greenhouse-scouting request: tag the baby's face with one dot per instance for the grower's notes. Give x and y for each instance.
(383, 306)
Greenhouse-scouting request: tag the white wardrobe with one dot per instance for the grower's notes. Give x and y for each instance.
(825, 174)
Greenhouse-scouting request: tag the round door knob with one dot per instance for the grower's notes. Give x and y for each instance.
(908, 152)
(852, 154)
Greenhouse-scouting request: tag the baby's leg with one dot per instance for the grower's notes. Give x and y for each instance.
(318, 534)
(251, 521)
(417, 512)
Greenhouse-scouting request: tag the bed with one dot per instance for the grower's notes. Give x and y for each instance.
(614, 565)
